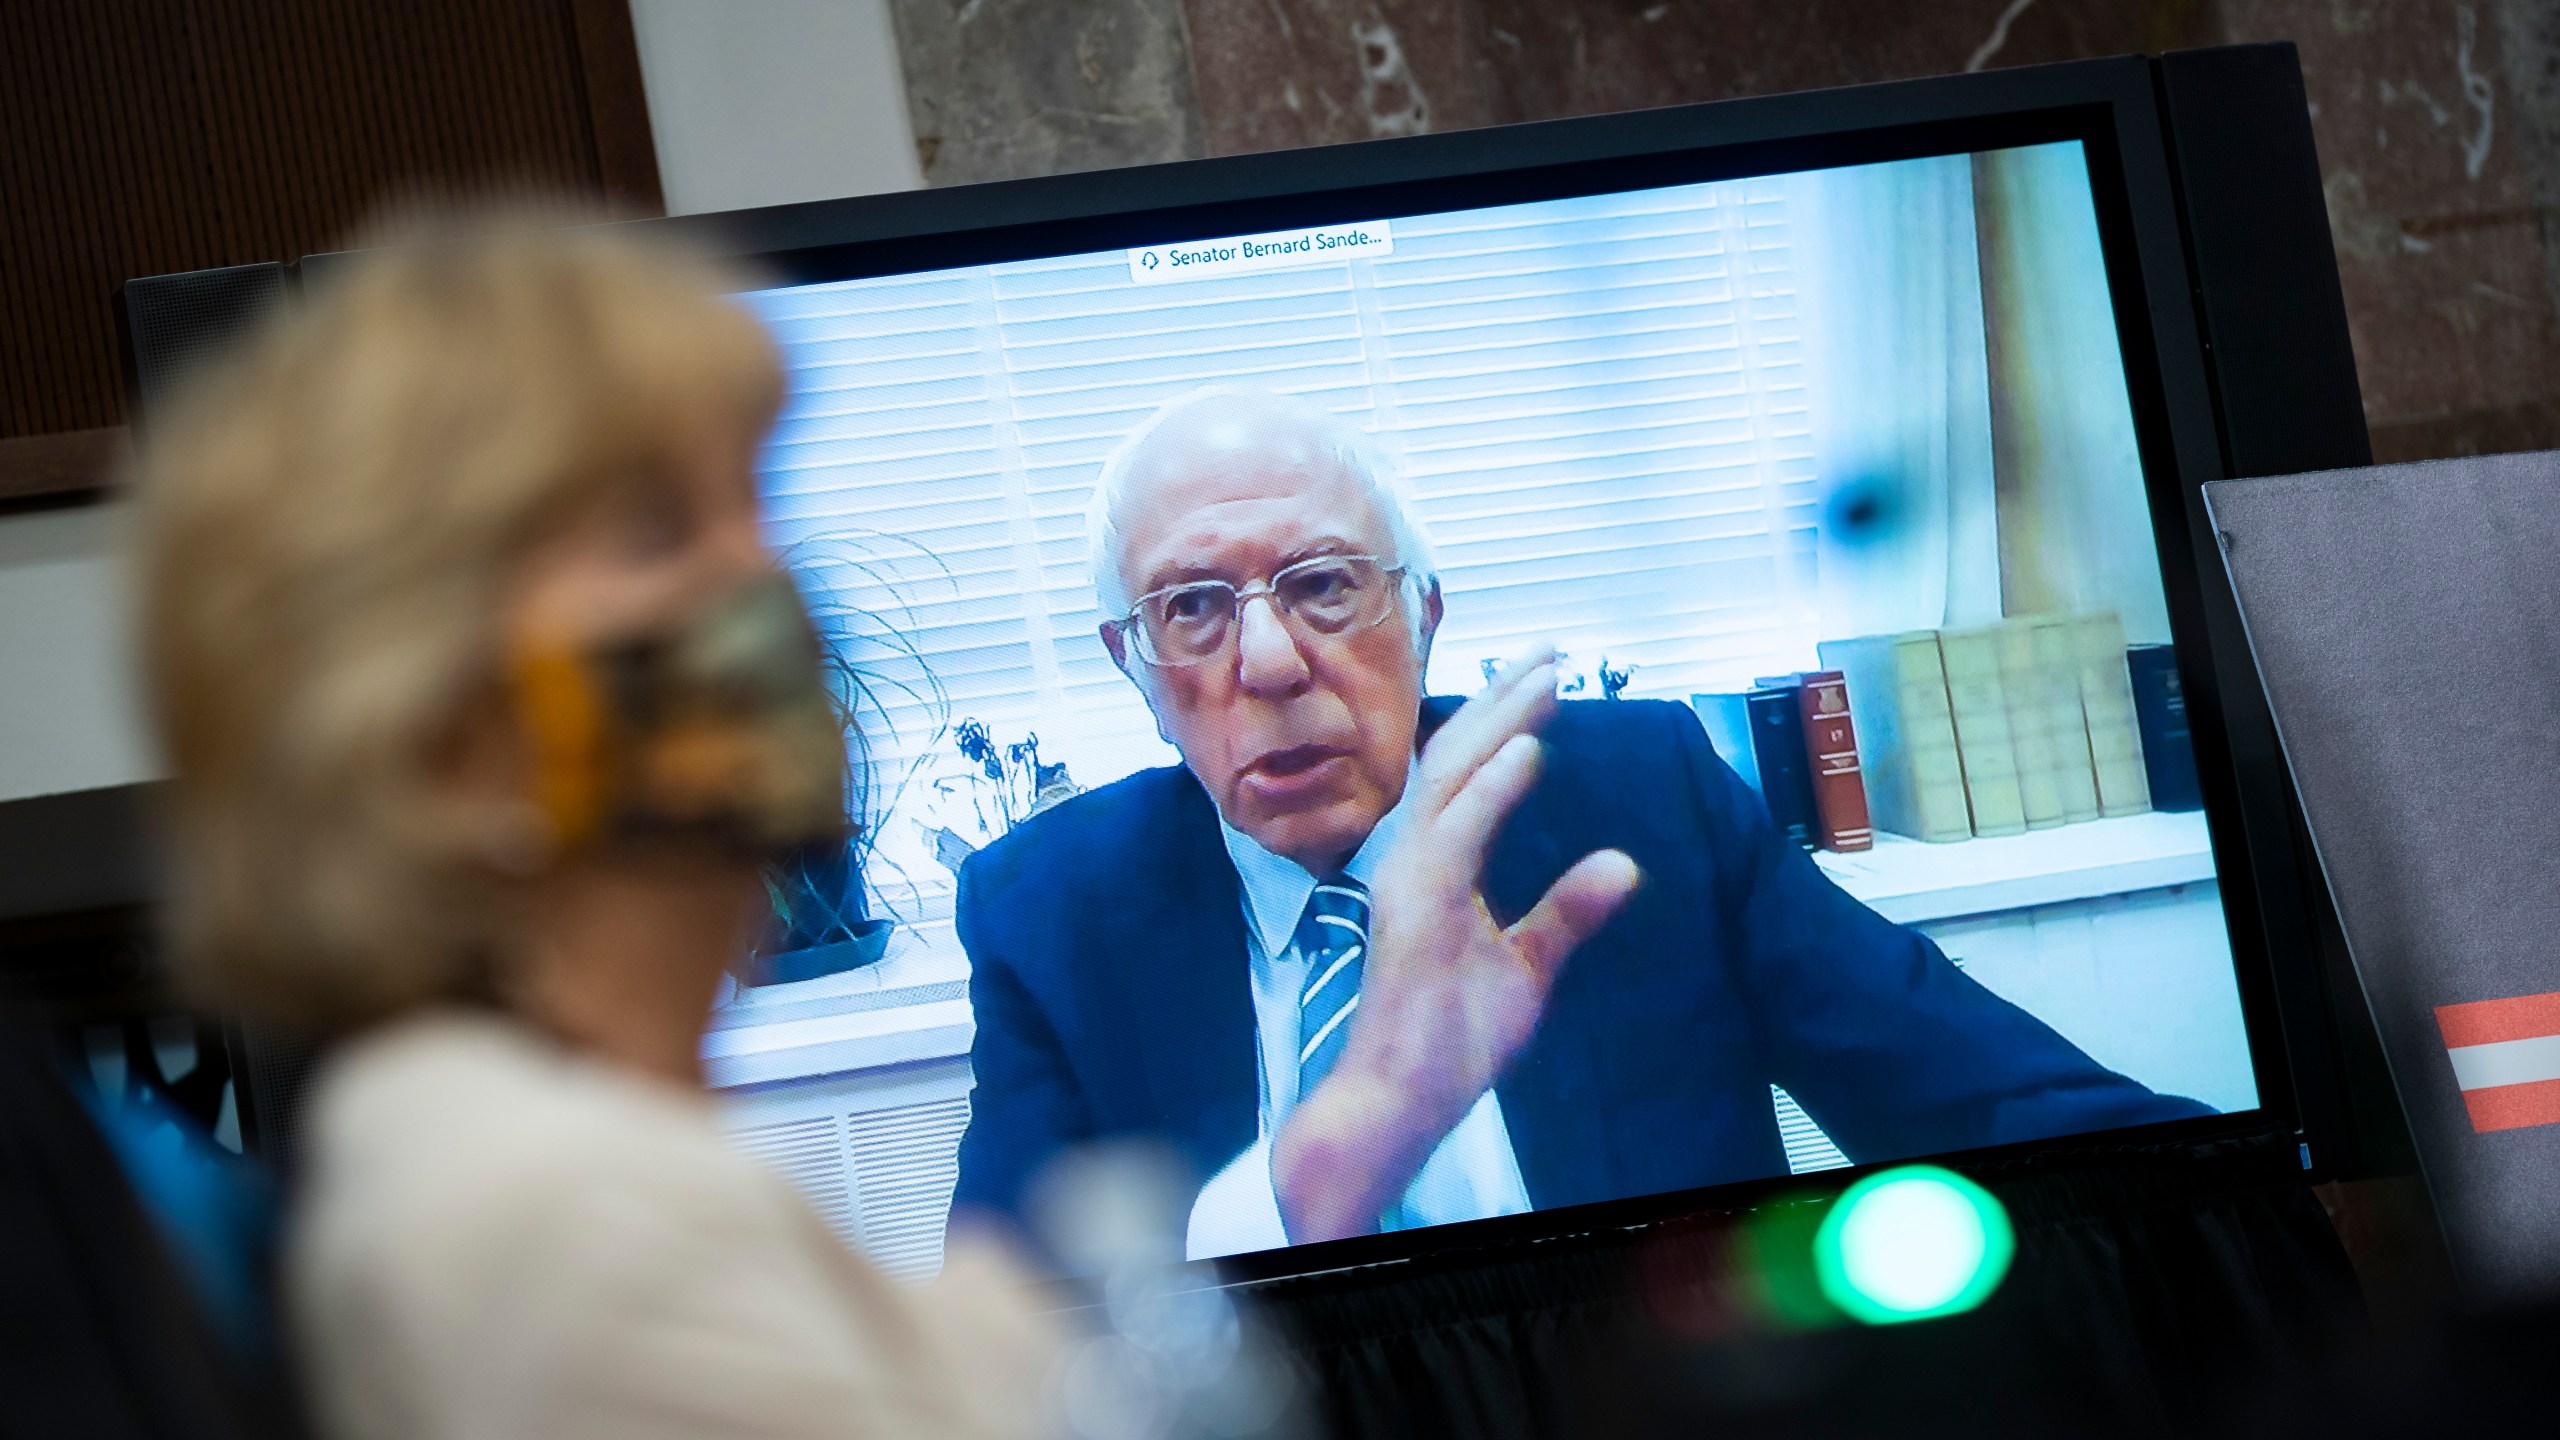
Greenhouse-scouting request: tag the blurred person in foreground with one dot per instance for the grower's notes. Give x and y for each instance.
(1370, 960)
(487, 707)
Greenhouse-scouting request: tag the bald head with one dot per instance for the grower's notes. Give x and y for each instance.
(1216, 438)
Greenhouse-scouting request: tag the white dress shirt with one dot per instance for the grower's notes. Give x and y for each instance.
(1472, 1175)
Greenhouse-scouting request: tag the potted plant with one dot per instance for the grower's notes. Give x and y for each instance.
(823, 916)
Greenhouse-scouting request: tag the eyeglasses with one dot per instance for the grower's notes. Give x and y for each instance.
(1195, 622)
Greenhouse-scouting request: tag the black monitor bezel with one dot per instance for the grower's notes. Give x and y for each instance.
(2112, 106)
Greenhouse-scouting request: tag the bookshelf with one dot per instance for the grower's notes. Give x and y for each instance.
(1909, 882)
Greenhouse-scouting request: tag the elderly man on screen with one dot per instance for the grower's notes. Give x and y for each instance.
(1369, 959)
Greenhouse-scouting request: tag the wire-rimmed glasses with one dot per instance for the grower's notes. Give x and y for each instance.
(1195, 622)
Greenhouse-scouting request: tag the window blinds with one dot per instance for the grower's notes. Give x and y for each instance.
(1600, 405)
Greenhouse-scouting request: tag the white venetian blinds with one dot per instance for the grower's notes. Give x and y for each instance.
(1600, 404)
(1601, 407)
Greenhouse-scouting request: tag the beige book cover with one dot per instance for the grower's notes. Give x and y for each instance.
(2106, 701)
(1906, 735)
(2023, 690)
(2058, 686)
(1981, 712)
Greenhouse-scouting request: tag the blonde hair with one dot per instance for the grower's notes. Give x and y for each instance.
(327, 527)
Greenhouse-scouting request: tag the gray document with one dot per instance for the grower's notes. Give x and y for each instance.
(2406, 621)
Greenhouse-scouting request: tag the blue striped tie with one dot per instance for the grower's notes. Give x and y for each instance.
(1332, 938)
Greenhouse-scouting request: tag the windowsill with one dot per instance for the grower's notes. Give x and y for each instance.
(1908, 881)
(912, 1006)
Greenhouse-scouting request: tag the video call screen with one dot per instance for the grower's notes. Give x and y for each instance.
(1823, 486)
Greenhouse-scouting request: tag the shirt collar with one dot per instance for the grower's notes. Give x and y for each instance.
(1276, 887)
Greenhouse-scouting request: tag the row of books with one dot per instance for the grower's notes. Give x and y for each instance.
(1792, 738)
(1943, 735)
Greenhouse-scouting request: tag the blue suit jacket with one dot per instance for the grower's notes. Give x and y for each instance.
(1112, 998)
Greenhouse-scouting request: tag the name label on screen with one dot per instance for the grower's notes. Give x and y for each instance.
(1277, 250)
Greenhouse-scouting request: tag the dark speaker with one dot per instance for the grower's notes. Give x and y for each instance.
(2283, 378)
(2274, 318)
(172, 323)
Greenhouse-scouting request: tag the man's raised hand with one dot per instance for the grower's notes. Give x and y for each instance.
(1450, 996)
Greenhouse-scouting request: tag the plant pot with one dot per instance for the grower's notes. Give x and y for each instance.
(869, 943)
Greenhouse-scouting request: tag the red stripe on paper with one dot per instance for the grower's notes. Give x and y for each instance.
(2513, 1107)
(2486, 1022)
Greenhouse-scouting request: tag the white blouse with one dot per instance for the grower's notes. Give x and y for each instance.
(498, 1237)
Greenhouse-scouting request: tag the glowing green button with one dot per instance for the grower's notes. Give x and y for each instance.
(1911, 1243)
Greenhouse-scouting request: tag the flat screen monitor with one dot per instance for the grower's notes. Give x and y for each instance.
(1181, 534)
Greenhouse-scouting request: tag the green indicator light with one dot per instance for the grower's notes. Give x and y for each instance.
(1912, 1243)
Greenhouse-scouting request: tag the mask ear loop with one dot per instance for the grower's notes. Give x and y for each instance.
(563, 716)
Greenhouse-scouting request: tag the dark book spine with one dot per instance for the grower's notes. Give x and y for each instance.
(1786, 784)
(2168, 756)
(1831, 757)
(1727, 721)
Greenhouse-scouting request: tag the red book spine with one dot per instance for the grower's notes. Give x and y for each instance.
(1831, 750)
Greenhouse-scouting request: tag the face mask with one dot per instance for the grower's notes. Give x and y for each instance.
(718, 730)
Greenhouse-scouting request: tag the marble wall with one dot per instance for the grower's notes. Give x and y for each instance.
(2438, 123)
(1000, 89)
(2436, 127)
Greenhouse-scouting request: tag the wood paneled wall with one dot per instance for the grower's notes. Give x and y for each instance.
(139, 137)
